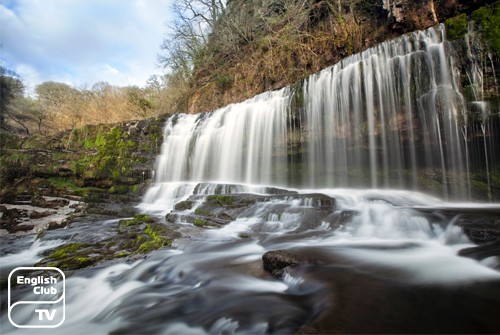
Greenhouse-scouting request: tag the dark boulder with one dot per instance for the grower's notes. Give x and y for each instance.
(482, 251)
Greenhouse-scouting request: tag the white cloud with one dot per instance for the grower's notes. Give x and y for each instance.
(83, 41)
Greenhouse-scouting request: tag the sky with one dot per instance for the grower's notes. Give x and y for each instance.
(82, 42)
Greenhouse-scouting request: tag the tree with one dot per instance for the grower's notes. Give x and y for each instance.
(140, 106)
(11, 88)
(60, 103)
(184, 45)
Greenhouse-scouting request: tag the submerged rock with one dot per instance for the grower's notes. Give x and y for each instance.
(221, 209)
(277, 261)
(482, 251)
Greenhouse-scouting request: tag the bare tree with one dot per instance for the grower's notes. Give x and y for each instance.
(11, 88)
(188, 33)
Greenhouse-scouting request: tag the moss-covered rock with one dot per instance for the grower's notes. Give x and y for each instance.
(456, 27)
(96, 162)
(71, 256)
(138, 219)
(133, 237)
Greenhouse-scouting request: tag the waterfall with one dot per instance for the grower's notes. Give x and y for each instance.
(278, 185)
(393, 116)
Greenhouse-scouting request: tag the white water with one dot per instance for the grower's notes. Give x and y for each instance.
(373, 120)
(391, 117)
(27, 257)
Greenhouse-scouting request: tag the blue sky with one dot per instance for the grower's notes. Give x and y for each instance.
(81, 42)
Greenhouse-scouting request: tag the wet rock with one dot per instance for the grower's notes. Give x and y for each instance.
(211, 188)
(56, 225)
(482, 233)
(216, 210)
(39, 215)
(278, 260)
(11, 218)
(480, 224)
(275, 190)
(184, 205)
(482, 251)
(221, 209)
(90, 245)
(21, 227)
(22, 199)
(49, 203)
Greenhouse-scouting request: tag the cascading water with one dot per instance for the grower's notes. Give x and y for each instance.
(392, 117)
(264, 178)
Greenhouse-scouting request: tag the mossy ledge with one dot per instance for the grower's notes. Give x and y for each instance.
(98, 163)
(134, 237)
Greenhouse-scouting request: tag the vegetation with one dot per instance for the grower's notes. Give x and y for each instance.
(223, 200)
(93, 162)
(487, 20)
(456, 27)
(217, 52)
(58, 106)
(144, 235)
(137, 220)
(136, 236)
(221, 52)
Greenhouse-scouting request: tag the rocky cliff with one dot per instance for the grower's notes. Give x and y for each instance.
(285, 41)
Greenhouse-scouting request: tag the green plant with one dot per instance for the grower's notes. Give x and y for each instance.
(137, 220)
(456, 27)
(223, 200)
(199, 223)
(487, 18)
(66, 250)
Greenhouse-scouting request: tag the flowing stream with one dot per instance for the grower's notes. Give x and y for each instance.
(330, 170)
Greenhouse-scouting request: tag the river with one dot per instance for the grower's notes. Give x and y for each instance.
(347, 206)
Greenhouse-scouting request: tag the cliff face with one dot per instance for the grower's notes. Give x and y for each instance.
(289, 40)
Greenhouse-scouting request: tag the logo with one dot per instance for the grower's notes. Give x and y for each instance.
(43, 305)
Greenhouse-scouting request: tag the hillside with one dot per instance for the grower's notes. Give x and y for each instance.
(268, 44)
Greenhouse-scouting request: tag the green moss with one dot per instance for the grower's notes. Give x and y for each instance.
(153, 240)
(456, 27)
(64, 184)
(199, 223)
(112, 158)
(70, 256)
(487, 20)
(137, 220)
(136, 189)
(201, 211)
(121, 254)
(223, 200)
(75, 263)
(147, 240)
(119, 189)
(82, 260)
(66, 250)
(89, 193)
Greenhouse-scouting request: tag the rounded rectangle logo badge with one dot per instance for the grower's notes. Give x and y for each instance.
(45, 304)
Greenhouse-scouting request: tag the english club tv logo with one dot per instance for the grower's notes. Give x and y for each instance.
(43, 306)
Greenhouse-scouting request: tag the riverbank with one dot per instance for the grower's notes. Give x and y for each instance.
(84, 176)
